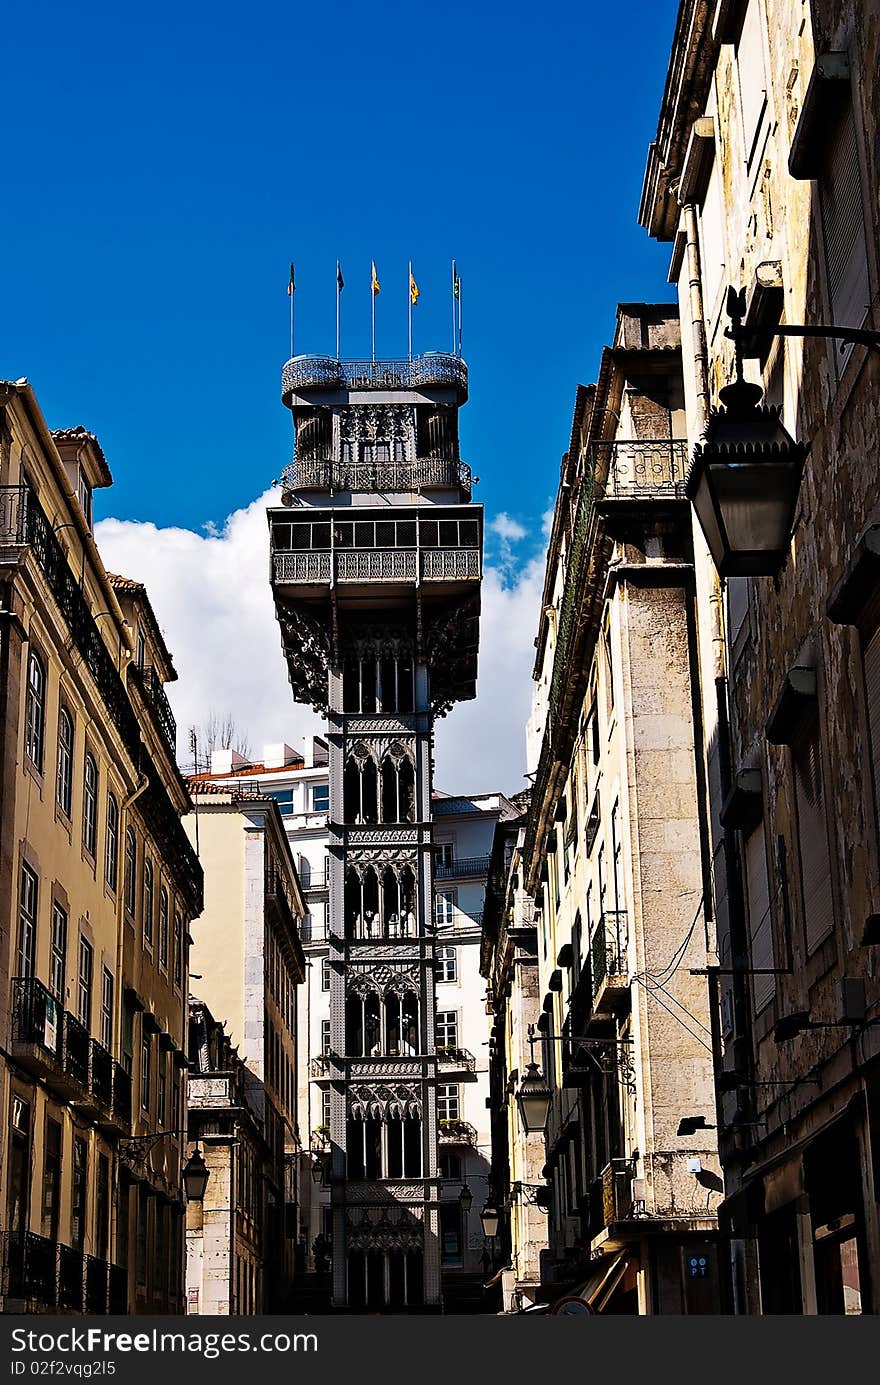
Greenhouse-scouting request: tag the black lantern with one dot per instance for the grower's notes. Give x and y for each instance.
(490, 1218)
(195, 1176)
(533, 1099)
(745, 476)
(465, 1199)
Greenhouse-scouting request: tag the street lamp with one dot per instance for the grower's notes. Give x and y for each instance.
(195, 1176)
(465, 1199)
(533, 1099)
(490, 1218)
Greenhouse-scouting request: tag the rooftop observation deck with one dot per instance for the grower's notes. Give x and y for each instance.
(430, 372)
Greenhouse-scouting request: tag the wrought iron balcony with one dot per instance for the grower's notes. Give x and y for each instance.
(36, 1026)
(42, 1274)
(101, 1075)
(462, 868)
(451, 1059)
(154, 692)
(457, 1132)
(314, 930)
(311, 568)
(30, 1268)
(122, 1094)
(609, 962)
(611, 1197)
(321, 1139)
(75, 1051)
(13, 516)
(71, 1278)
(460, 922)
(320, 1066)
(435, 369)
(424, 473)
(640, 467)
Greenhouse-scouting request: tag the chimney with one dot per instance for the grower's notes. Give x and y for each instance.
(227, 761)
(279, 755)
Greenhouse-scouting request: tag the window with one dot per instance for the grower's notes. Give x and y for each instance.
(177, 956)
(111, 864)
(447, 969)
(839, 191)
(752, 77)
(161, 1089)
(143, 1208)
(51, 1198)
(146, 1069)
(451, 1241)
(447, 1101)
(127, 1043)
(446, 853)
(64, 773)
(812, 835)
(148, 903)
(90, 804)
(608, 668)
(447, 1029)
(140, 657)
(58, 953)
(107, 1008)
(130, 871)
(450, 1167)
(163, 928)
(84, 982)
(27, 922)
(102, 1208)
(325, 1036)
(325, 974)
(444, 908)
(320, 798)
(35, 711)
(760, 924)
(79, 1192)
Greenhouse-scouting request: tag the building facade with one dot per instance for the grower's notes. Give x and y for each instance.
(376, 566)
(98, 887)
(763, 178)
(248, 962)
(509, 964)
(615, 855)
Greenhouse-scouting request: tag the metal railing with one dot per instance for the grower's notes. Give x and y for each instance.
(71, 1278)
(460, 1059)
(75, 1053)
(641, 467)
(314, 568)
(315, 930)
(327, 373)
(423, 473)
(457, 1132)
(460, 922)
(13, 515)
(608, 948)
(42, 1273)
(30, 1268)
(101, 1075)
(36, 1016)
(121, 1093)
(320, 1066)
(154, 692)
(462, 868)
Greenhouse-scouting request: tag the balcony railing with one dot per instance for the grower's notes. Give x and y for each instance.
(42, 1274)
(641, 467)
(457, 1132)
(122, 1094)
(462, 868)
(424, 473)
(320, 1066)
(13, 516)
(101, 1075)
(314, 930)
(452, 1059)
(75, 1053)
(154, 692)
(609, 960)
(71, 1278)
(312, 568)
(315, 881)
(30, 1268)
(611, 1196)
(37, 1019)
(459, 922)
(432, 370)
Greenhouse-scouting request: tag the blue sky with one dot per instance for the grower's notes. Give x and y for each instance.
(167, 162)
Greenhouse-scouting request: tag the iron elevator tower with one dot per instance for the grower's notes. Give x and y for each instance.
(376, 564)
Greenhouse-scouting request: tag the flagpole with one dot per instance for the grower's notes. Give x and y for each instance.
(459, 319)
(453, 307)
(291, 296)
(373, 314)
(338, 296)
(409, 306)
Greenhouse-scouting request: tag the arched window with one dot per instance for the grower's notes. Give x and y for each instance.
(111, 861)
(64, 774)
(35, 711)
(130, 870)
(148, 903)
(163, 927)
(90, 803)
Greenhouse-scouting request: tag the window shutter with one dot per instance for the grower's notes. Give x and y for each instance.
(871, 658)
(843, 225)
(752, 77)
(760, 922)
(812, 838)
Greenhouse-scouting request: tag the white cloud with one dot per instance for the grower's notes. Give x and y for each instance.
(507, 528)
(211, 595)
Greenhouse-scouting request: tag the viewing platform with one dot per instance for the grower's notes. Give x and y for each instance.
(434, 370)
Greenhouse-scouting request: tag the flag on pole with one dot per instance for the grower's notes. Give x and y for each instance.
(456, 282)
(374, 279)
(340, 282)
(413, 289)
(291, 286)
